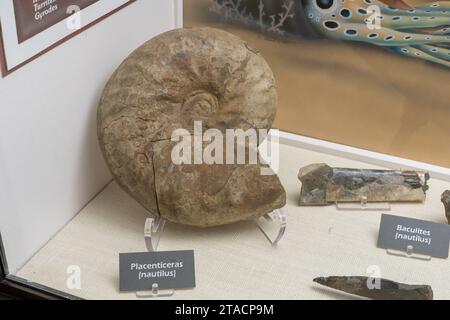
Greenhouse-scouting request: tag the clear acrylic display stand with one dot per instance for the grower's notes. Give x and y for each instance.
(409, 253)
(364, 205)
(272, 225)
(153, 230)
(152, 234)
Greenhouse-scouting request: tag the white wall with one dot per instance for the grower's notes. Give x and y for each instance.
(50, 163)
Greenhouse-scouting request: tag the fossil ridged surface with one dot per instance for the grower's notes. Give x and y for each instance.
(446, 201)
(387, 290)
(324, 185)
(179, 77)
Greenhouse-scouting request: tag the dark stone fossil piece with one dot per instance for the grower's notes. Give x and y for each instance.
(387, 289)
(446, 201)
(324, 185)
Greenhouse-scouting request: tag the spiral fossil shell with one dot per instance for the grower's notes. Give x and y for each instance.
(177, 78)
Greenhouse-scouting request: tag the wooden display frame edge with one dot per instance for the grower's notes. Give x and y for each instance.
(17, 288)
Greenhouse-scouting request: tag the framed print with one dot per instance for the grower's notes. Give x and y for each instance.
(30, 28)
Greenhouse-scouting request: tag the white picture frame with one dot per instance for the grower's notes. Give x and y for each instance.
(15, 54)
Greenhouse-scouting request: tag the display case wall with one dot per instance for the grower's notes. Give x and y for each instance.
(50, 163)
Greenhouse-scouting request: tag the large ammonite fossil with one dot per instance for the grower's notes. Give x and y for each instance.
(176, 79)
(419, 29)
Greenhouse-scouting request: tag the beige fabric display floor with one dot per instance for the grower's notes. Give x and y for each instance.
(236, 261)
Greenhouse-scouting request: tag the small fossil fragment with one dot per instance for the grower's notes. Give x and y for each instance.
(173, 81)
(446, 201)
(324, 185)
(387, 289)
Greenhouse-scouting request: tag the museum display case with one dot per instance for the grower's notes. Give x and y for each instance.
(221, 149)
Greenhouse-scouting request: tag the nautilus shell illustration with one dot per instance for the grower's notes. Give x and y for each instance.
(420, 30)
(169, 83)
